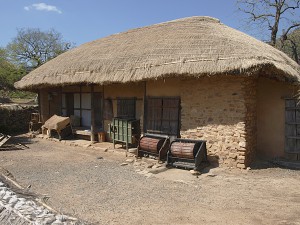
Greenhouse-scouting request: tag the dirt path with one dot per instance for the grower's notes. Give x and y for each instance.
(102, 191)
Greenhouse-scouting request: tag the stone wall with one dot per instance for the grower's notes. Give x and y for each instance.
(221, 111)
(15, 118)
(246, 154)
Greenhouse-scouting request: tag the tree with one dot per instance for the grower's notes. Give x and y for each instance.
(9, 73)
(272, 14)
(291, 46)
(33, 47)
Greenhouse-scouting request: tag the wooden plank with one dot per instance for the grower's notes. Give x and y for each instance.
(4, 139)
(297, 147)
(2, 136)
(292, 123)
(290, 145)
(292, 126)
(290, 103)
(290, 130)
(290, 116)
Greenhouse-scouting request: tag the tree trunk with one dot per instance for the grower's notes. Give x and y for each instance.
(276, 24)
(295, 53)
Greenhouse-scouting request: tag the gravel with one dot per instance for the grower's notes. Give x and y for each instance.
(93, 185)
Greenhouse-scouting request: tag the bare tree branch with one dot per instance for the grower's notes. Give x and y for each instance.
(34, 47)
(291, 7)
(289, 29)
(271, 13)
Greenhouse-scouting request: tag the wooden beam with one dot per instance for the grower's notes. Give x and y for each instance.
(92, 115)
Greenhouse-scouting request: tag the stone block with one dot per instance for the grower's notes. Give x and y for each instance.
(241, 161)
(242, 149)
(241, 166)
(241, 153)
(233, 155)
(241, 157)
(242, 144)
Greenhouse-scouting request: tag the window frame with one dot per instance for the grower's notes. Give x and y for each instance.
(126, 107)
(80, 108)
(160, 117)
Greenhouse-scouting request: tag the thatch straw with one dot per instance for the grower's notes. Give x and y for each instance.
(193, 46)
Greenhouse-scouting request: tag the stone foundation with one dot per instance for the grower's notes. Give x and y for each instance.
(221, 111)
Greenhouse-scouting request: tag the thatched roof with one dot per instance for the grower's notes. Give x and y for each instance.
(193, 46)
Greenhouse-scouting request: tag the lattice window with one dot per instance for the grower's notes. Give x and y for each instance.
(126, 107)
(163, 115)
(79, 104)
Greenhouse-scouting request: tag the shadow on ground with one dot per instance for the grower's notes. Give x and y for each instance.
(20, 142)
(275, 163)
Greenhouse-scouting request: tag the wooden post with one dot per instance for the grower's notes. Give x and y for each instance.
(49, 103)
(92, 115)
(61, 102)
(80, 105)
(145, 107)
(59, 92)
(102, 109)
(39, 105)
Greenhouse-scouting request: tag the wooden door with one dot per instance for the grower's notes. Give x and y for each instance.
(292, 126)
(98, 109)
(69, 104)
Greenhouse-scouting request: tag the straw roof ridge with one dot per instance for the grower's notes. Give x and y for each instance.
(192, 46)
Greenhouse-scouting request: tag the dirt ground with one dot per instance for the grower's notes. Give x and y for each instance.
(94, 186)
